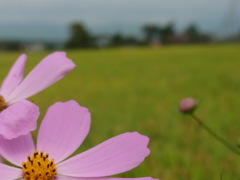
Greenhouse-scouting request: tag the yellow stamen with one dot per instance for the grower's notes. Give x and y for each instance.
(39, 167)
(3, 104)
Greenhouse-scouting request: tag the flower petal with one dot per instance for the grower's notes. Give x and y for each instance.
(14, 77)
(63, 129)
(9, 173)
(59, 177)
(116, 155)
(17, 150)
(18, 119)
(48, 71)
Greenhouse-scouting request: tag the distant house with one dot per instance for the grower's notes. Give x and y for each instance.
(155, 41)
(35, 47)
(103, 41)
(179, 39)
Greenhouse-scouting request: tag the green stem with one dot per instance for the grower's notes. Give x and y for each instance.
(216, 136)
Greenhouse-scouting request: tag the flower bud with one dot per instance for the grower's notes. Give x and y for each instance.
(187, 105)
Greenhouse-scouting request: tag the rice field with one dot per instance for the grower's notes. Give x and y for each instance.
(138, 89)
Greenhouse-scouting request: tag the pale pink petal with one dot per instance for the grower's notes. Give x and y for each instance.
(59, 177)
(63, 129)
(9, 173)
(17, 150)
(14, 77)
(47, 72)
(18, 119)
(116, 155)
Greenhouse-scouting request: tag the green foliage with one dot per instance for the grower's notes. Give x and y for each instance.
(195, 36)
(138, 89)
(120, 40)
(154, 32)
(166, 32)
(150, 31)
(80, 37)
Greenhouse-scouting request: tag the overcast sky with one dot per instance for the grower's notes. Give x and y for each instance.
(106, 15)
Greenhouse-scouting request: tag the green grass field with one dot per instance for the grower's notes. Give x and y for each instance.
(138, 89)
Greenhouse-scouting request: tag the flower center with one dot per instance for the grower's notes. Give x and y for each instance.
(39, 167)
(3, 104)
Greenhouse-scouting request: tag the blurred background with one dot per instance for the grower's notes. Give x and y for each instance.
(38, 25)
(135, 61)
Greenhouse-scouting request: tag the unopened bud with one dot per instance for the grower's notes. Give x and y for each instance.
(187, 105)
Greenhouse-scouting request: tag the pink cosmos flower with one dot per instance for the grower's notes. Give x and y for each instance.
(17, 115)
(62, 131)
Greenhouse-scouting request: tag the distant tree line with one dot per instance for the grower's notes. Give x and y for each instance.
(167, 34)
(81, 37)
(153, 35)
(12, 45)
